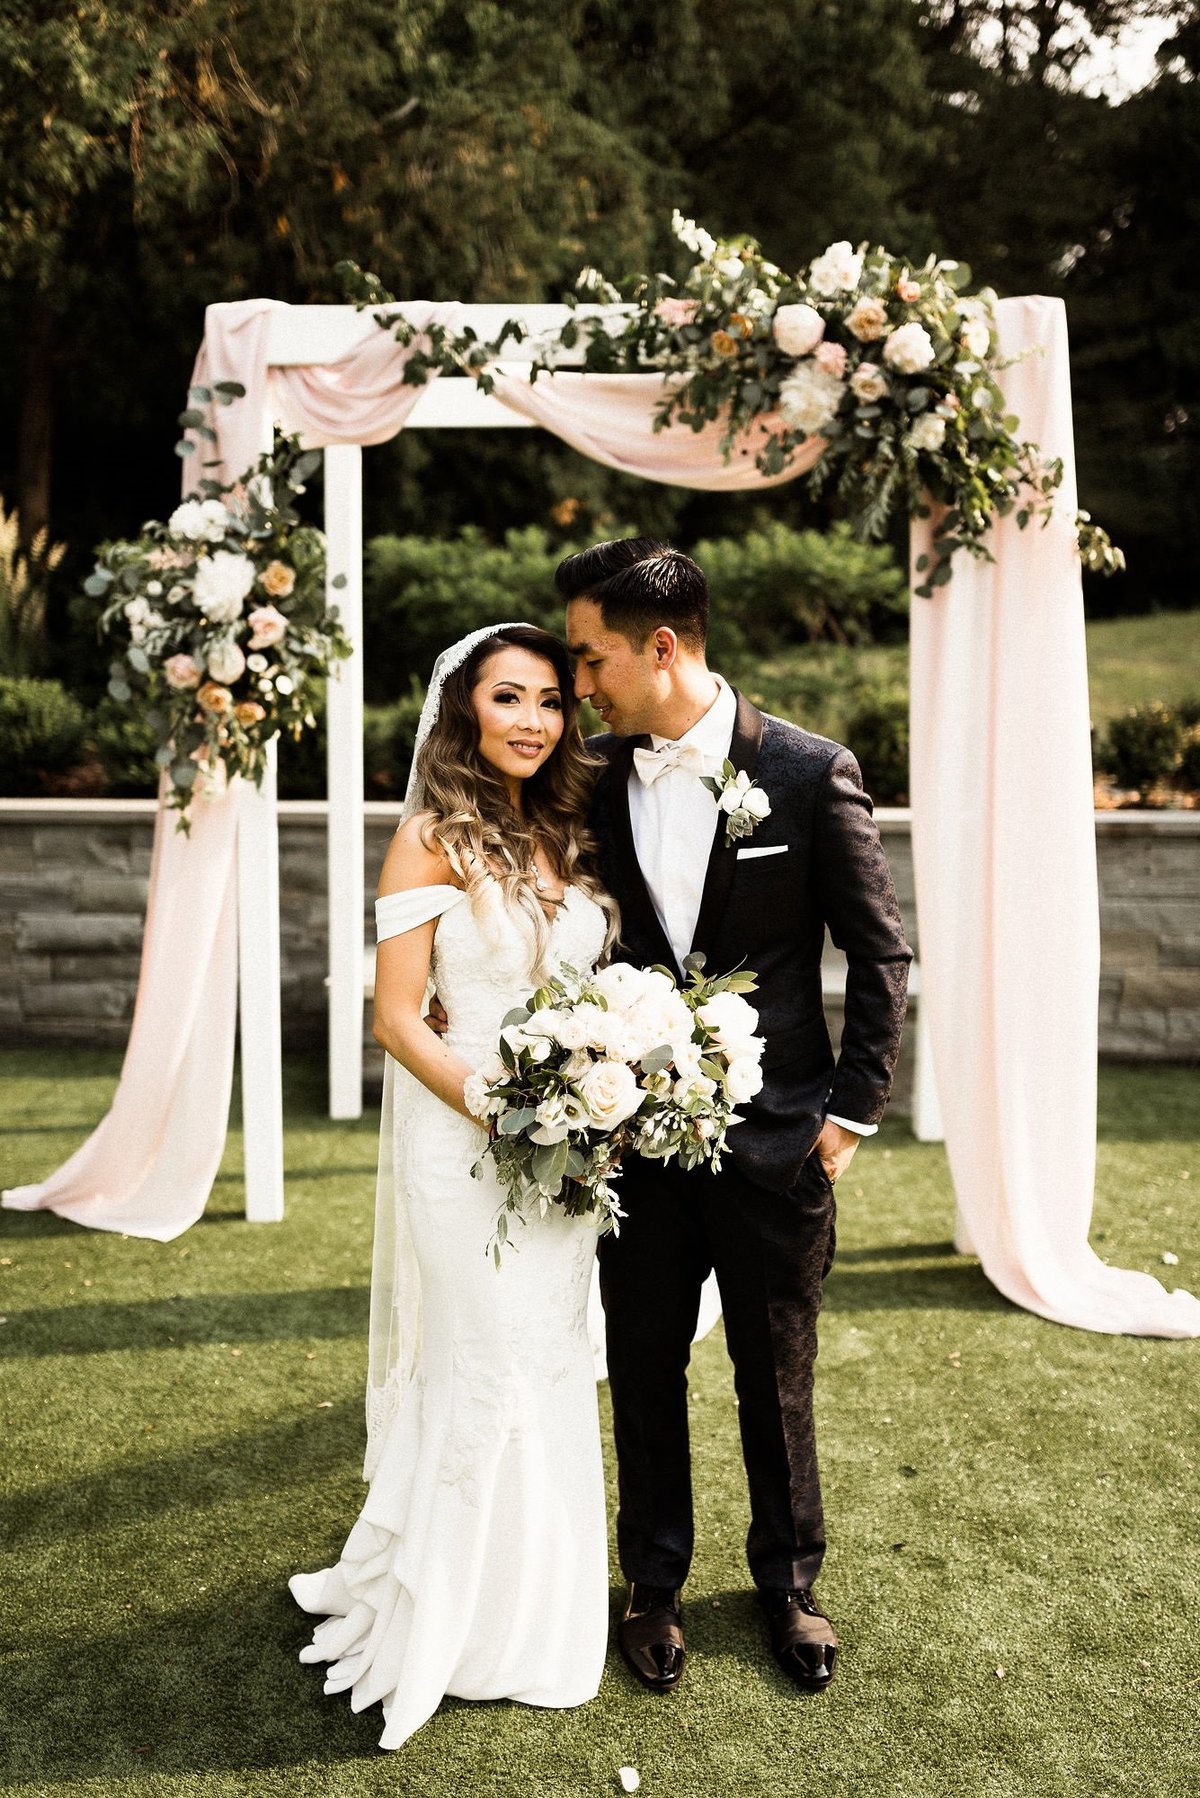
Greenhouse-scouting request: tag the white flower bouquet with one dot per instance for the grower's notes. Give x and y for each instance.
(593, 1067)
(222, 624)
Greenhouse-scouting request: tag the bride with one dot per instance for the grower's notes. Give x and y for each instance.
(477, 1566)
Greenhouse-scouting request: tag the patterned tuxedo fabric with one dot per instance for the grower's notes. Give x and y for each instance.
(766, 1222)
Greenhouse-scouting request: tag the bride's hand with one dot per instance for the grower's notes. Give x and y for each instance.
(436, 1017)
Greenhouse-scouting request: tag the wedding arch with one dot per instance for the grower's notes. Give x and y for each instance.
(1001, 791)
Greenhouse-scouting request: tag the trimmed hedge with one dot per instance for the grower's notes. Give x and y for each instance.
(42, 729)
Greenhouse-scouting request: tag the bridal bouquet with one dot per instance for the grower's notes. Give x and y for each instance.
(221, 623)
(594, 1066)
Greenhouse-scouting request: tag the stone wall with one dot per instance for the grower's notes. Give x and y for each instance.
(73, 877)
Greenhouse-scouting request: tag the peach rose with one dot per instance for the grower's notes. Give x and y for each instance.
(908, 290)
(724, 344)
(249, 712)
(868, 319)
(268, 626)
(277, 579)
(182, 672)
(213, 697)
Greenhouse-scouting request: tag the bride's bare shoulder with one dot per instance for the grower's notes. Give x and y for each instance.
(415, 859)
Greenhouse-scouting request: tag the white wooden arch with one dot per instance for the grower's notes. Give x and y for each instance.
(307, 335)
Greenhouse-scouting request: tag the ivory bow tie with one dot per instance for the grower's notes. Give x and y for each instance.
(650, 763)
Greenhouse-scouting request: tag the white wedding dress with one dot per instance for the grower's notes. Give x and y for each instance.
(478, 1565)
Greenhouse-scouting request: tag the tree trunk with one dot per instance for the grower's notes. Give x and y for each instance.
(35, 453)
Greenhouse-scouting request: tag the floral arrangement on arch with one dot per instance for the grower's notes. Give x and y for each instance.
(222, 624)
(894, 368)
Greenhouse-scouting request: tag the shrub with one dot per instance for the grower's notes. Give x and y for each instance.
(1188, 774)
(425, 592)
(783, 586)
(125, 747)
(41, 731)
(1143, 747)
(877, 732)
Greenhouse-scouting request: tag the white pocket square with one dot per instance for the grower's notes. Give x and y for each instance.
(773, 849)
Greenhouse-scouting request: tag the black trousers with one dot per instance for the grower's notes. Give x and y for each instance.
(771, 1252)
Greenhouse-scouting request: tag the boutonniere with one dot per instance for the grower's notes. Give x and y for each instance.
(744, 805)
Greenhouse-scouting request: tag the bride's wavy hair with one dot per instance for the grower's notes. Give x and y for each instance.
(474, 821)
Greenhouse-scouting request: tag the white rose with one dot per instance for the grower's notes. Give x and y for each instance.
(136, 611)
(154, 588)
(910, 349)
(868, 382)
(809, 398)
(837, 270)
(656, 1020)
(929, 432)
(743, 1078)
(225, 662)
(492, 1069)
(199, 521)
(610, 1093)
(755, 801)
(730, 800)
(221, 583)
(730, 267)
(540, 1049)
(570, 1029)
(975, 338)
(704, 1128)
(731, 1020)
(798, 329)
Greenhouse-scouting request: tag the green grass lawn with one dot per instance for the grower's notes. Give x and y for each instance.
(1014, 1563)
(1130, 661)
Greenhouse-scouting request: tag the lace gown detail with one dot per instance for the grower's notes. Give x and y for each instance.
(477, 1567)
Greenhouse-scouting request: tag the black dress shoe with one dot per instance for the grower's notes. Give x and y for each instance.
(650, 1635)
(802, 1638)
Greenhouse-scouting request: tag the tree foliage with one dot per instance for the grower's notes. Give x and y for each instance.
(154, 159)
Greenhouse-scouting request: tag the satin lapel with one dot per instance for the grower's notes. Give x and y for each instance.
(722, 859)
(635, 894)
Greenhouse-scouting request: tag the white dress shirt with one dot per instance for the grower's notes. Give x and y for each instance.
(674, 820)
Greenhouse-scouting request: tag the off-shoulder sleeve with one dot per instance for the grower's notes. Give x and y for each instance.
(397, 912)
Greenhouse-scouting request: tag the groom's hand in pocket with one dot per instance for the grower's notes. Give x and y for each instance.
(836, 1148)
(436, 1017)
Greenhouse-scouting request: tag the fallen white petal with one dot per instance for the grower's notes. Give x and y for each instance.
(630, 1779)
(1170, 1260)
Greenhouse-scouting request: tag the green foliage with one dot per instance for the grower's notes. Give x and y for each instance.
(125, 746)
(41, 731)
(423, 593)
(781, 586)
(877, 732)
(1143, 748)
(1188, 772)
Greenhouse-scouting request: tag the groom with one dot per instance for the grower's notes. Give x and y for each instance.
(637, 617)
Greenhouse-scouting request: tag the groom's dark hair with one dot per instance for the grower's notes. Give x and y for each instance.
(639, 584)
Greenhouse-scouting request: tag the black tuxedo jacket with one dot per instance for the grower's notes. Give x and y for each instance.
(769, 913)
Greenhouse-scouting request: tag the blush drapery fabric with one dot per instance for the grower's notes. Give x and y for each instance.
(1004, 851)
(611, 419)
(148, 1167)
